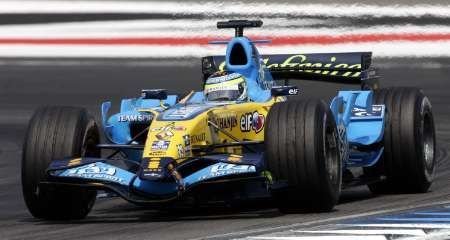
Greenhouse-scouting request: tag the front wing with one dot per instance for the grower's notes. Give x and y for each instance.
(128, 179)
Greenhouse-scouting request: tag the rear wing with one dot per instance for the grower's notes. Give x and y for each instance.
(349, 68)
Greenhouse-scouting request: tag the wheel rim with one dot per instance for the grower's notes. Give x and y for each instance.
(331, 153)
(428, 141)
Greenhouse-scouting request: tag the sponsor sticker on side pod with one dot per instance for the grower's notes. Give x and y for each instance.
(284, 91)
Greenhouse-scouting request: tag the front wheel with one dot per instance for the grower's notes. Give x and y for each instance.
(57, 133)
(302, 151)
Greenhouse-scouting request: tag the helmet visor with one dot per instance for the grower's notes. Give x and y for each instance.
(232, 90)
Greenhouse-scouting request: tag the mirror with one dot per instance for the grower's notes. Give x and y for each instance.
(160, 94)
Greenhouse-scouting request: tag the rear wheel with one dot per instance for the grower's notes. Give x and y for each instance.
(57, 133)
(302, 151)
(408, 161)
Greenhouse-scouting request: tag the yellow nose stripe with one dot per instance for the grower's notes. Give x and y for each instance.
(74, 161)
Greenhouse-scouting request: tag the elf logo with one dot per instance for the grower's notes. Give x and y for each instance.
(252, 121)
(293, 91)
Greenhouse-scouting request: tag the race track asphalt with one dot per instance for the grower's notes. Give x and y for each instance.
(25, 85)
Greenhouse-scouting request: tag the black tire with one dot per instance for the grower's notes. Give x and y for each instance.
(57, 133)
(302, 148)
(408, 161)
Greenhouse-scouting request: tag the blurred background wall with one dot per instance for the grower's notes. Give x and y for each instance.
(169, 29)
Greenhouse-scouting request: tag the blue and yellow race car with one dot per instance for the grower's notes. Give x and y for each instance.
(245, 136)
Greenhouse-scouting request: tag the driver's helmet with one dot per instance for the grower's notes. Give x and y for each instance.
(223, 86)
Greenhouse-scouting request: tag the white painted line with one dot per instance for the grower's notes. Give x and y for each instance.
(194, 28)
(433, 213)
(325, 237)
(395, 231)
(401, 225)
(419, 63)
(106, 51)
(379, 49)
(322, 221)
(150, 24)
(126, 62)
(219, 8)
(179, 62)
(412, 219)
(445, 235)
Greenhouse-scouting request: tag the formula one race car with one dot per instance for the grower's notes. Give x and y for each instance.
(238, 139)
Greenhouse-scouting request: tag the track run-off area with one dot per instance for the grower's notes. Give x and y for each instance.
(85, 52)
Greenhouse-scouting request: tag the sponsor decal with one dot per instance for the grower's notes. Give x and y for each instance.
(224, 78)
(293, 91)
(181, 151)
(94, 171)
(183, 112)
(226, 120)
(301, 61)
(262, 76)
(284, 90)
(135, 118)
(73, 162)
(252, 121)
(170, 126)
(198, 138)
(221, 88)
(153, 163)
(157, 153)
(234, 158)
(223, 169)
(187, 140)
(188, 151)
(164, 135)
(179, 128)
(166, 132)
(187, 145)
(153, 168)
(153, 174)
(160, 145)
(377, 111)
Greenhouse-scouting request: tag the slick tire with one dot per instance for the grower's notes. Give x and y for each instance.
(408, 161)
(302, 156)
(57, 133)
